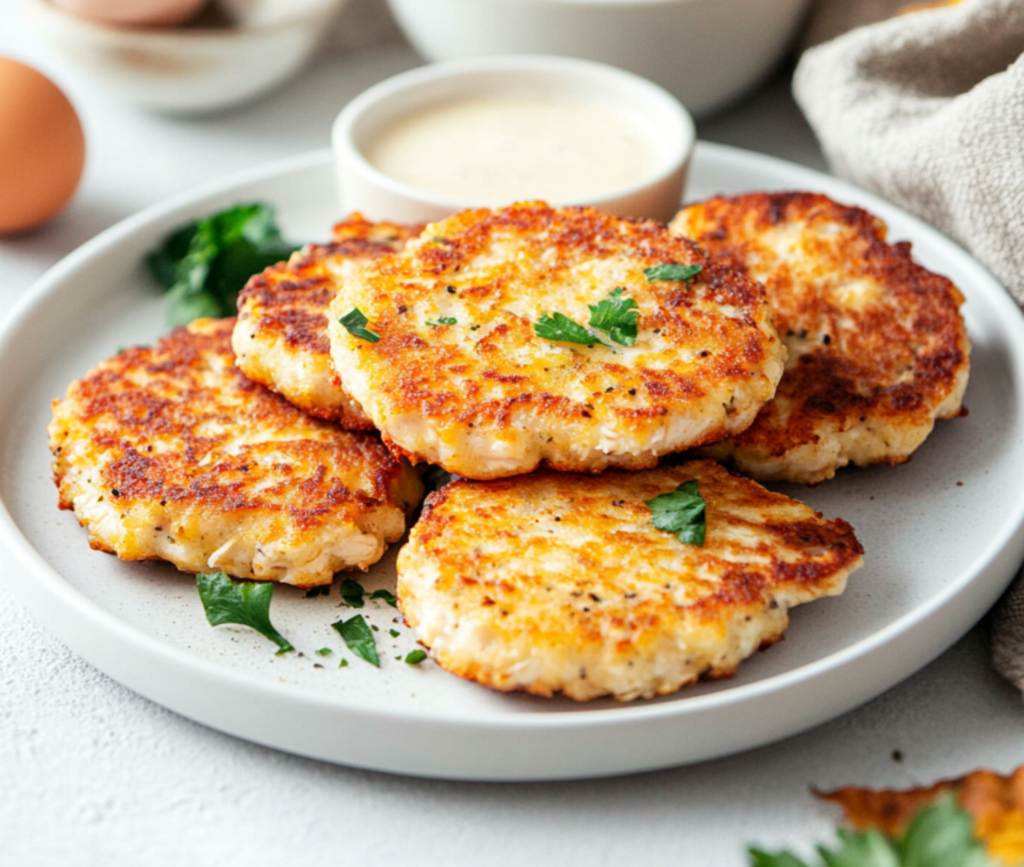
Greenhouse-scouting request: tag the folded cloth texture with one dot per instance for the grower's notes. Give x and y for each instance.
(927, 109)
(830, 18)
(1008, 634)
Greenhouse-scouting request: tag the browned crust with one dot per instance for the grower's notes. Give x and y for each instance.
(607, 612)
(158, 423)
(287, 305)
(461, 379)
(892, 362)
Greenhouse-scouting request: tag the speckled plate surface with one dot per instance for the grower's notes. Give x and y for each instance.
(943, 536)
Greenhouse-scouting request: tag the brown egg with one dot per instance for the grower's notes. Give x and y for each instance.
(139, 13)
(42, 147)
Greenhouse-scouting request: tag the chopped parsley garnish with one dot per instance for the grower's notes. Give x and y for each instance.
(672, 271)
(617, 317)
(358, 638)
(386, 595)
(354, 323)
(323, 651)
(246, 603)
(204, 264)
(681, 512)
(442, 320)
(560, 327)
(352, 593)
(941, 835)
(394, 633)
(415, 657)
(322, 590)
(343, 663)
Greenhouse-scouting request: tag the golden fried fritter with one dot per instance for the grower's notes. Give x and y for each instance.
(877, 346)
(461, 377)
(561, 582)
(171, 453)
(281, 337)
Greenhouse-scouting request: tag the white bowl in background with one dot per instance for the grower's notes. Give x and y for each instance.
(658, 116)
(139, 13)
(190, 69)
(706, 52)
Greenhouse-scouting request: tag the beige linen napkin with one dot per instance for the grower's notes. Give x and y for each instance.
(927, 109)
(830, 18)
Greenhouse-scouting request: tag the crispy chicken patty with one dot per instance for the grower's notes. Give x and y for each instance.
(561, 582)
(280, 339)
(877, 346)
(451, 367)
(171, 453)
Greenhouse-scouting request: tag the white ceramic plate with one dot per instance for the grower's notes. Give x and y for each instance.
(943, 535)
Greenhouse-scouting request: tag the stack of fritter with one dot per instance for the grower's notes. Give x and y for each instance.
(497, 342)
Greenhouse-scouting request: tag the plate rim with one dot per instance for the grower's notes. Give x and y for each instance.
(1007, 544)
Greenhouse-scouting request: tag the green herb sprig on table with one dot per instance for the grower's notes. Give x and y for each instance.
(682, 512)
(352, 593)
(386, 595)
(941, 835)
(358, 637)
(246, 603)
(203, 265)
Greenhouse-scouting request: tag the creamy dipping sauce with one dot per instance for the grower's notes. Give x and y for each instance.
(512, 147)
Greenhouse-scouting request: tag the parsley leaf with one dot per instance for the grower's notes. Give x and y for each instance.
(358, 638)
(941, 835)
(320, 590)
(443, 320)
(673, 271)
(558, 326)
(681, 512)
(244, 602)
(354, 323)
(415, 657)
(386, 595)
(324, 651)
(204, 264)
(352, 593)
(617, 316)
(782, 859)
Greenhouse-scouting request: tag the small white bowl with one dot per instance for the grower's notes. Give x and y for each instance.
(706, 52)
(659, 116)
(190, 69)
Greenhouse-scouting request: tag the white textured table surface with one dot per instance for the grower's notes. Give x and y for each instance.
(92, 774)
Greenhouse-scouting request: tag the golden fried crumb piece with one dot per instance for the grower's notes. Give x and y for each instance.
(556, 582)
(170, 453)
(877, 347)
(462, 377)
(281, 337)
